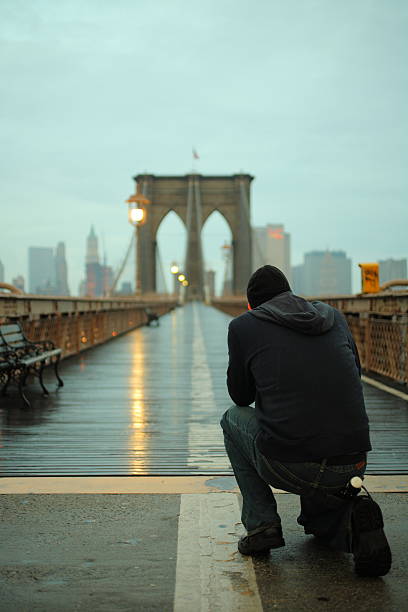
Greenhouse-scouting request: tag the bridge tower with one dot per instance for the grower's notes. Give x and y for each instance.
(194, 197)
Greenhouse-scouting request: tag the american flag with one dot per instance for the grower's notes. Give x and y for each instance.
(195, 154)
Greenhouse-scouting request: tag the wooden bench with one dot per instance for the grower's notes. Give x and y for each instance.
(152, 317)
(20, 357)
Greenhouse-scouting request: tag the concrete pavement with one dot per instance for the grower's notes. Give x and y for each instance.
(126, 552)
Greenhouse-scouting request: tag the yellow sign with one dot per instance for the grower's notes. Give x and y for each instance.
(370, 277)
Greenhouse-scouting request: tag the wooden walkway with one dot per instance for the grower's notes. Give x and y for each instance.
(149, 403)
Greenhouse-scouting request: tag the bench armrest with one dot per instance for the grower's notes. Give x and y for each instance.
(45, 345)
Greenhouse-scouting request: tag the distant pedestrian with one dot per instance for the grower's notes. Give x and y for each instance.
(308, 433)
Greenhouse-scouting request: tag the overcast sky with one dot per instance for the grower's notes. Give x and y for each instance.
(309, 96)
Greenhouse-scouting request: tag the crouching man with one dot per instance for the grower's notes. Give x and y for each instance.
(308, 433)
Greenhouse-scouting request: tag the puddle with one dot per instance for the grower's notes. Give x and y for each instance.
(223, 483)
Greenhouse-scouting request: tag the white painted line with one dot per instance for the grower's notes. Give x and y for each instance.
(375, 383)
(211, 575)
(202, 393)
(201, 376)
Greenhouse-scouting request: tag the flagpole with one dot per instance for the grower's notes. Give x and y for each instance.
(195, 156)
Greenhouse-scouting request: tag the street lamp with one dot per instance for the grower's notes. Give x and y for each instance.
(175, 269)
(137, 216)
(182, 279)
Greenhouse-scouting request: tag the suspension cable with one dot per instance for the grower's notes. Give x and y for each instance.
(160, 267)
(122, 266)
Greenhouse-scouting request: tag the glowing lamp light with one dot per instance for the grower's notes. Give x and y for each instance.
(114, 333)
(181, 278)
(84, 339)
(174, 269)
(136, 215)
(136, 208)
(185, 283)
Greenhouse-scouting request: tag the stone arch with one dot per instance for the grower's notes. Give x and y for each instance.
(194, 197)
(225, 214)
(162, 216)
(171, 248)
(213, 253)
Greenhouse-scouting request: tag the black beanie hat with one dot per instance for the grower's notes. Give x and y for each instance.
(264, 284)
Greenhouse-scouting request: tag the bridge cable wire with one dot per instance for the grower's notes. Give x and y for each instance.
(227, 269)
(159, 265)
(122, 266)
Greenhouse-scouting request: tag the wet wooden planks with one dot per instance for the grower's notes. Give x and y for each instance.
(149, 403)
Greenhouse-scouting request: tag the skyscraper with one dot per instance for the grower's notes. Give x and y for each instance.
(18, 281)
(298, 283)
(107, 274)
(61, 272)
(95, 280)
(82, 288)
(392, 269)
(323, 273)
(271, 245)
(41, 270)
(92, 254)
(125, 288)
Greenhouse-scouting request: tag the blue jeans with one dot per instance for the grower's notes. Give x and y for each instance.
(323, 512)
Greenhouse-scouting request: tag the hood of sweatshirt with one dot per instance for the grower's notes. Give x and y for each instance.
(289, 310)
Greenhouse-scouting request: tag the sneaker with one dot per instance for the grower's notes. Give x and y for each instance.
(372, 554)
(261, 540)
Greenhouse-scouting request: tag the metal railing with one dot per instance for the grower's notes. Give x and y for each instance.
(76, 324)
(379, 324)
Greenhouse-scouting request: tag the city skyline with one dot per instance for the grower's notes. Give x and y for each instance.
(171, 241)
(390, 268)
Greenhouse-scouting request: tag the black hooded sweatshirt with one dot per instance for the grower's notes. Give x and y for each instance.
(297, 360)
